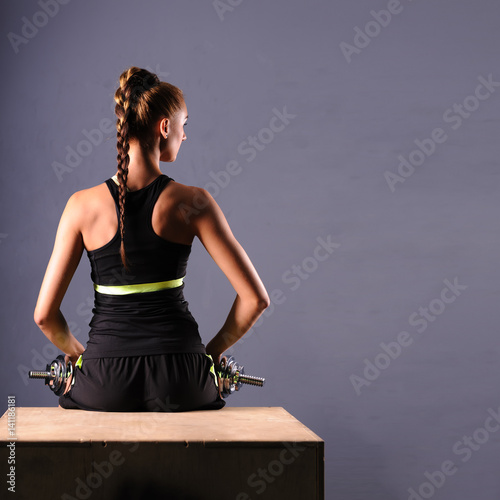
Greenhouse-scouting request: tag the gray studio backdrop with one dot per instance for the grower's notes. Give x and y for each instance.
(353, 146)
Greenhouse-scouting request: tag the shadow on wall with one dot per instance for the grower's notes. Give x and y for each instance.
(355, 468)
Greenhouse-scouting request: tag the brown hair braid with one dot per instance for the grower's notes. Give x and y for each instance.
(141, 100)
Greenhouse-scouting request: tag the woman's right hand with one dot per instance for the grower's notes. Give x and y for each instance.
(215, 356)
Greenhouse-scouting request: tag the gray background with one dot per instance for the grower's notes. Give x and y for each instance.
(323, 175)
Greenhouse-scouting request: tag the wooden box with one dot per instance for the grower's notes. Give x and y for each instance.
(228, 454)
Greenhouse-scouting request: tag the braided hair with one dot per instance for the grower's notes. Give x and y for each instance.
(141, 100)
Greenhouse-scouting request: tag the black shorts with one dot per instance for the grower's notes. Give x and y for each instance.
(163, 382)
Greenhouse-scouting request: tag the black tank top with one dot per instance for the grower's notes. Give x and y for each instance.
(140, 311)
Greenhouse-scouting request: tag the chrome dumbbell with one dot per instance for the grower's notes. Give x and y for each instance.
(56, 374)
(231, 377)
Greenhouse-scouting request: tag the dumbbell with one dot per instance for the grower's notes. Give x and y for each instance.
(230, 376)
(56, 374)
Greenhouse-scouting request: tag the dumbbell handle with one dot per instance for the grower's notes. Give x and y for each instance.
(251, 380)
(39, 374)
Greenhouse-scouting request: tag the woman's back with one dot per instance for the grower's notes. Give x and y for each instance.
(94, 213)
(140, 309)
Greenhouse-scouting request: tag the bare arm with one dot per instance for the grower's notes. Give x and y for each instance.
(66, 255)
(214, 232)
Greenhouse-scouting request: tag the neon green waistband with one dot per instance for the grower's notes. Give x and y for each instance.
(140, 288)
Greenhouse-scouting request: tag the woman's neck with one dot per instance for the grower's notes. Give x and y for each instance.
(144, 167)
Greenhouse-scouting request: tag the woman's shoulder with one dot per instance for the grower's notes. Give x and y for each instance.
(91, 193)
(188, 203)
(192, 196)
(194, 206)
(89, 198)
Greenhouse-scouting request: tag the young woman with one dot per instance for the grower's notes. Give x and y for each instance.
(144, 351)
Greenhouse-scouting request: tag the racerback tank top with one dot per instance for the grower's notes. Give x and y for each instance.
(140, 311)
